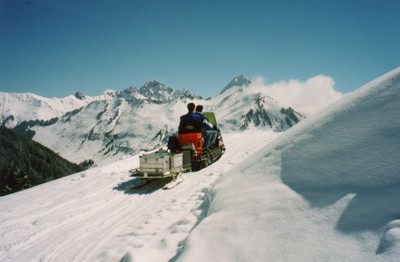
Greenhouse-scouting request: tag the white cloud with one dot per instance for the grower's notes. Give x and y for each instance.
(307, 97)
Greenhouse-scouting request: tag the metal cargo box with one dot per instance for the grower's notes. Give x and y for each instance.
(160, 164)
(154, 163)
(176, 161)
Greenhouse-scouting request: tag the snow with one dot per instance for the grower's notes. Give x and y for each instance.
(325, 190)
(27, 106)
(239, 81)
(90, 216)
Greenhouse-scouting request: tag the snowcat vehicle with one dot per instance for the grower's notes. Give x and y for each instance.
(191, 143)
(185, 152)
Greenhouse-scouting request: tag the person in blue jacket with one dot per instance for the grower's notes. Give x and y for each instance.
(190, 122)
(211, 133)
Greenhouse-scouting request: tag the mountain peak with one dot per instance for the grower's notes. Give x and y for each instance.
(155, 90)
(130, 90)
(80, 95)
(240, 80)
(154, 85)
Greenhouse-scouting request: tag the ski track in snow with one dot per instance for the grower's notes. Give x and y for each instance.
(106, 222)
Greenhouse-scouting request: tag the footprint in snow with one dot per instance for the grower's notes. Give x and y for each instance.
(391, 237)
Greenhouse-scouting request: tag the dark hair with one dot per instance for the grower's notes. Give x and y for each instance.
(190, 107)
(199, 108)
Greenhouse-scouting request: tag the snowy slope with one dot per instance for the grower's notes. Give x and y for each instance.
(324, 190)
(18, 107)
(110, 130)
(90, 217)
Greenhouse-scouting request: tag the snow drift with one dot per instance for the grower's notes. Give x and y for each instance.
(327, 189)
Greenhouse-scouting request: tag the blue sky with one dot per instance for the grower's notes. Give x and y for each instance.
(56, 47)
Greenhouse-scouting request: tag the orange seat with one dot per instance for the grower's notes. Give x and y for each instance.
(192, 138)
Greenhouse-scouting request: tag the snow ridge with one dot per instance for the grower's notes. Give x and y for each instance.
(323, 190)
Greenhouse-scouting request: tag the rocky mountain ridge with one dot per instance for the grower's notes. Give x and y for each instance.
(119, 123)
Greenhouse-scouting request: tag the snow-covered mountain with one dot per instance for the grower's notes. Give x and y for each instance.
(157, 91)
(325, 190)
(241, 81)
(247, 107)
(18, 107)
(125, 122)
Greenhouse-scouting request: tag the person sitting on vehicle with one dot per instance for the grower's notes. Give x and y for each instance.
(190, 122)
(211, 133)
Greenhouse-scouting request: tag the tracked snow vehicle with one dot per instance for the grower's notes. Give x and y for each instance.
(191, 143)
(185, 152)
